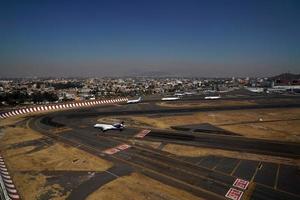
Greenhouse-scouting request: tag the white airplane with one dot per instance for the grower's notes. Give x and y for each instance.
(106, 127)
(170, 98)
(179, 94)
(212, 97)
(189, 93)
(135, 100)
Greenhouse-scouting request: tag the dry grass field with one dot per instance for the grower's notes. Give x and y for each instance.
(139, 187)
(274, 124)
(27, 155)
(183, 150)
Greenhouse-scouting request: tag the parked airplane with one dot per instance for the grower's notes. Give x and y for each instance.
(170, 98)
(212, 97)
(179, 94)
(189, 93)
(135, 100)
(106, 127)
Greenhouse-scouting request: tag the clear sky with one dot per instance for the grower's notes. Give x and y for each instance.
(196, 38)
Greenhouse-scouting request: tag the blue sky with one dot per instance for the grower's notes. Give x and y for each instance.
(198, 38)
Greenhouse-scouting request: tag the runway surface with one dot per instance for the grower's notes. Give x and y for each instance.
(210, 177)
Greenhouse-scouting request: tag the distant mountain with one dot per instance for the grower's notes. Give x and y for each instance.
(286, 76)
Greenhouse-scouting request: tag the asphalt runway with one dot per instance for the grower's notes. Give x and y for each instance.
(210, 177)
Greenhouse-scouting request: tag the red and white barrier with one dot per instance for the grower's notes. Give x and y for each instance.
(10, 188)
(58, 107)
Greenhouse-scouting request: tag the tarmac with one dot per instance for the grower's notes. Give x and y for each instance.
(210, 177)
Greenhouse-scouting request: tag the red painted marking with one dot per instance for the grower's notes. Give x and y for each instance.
(142, 134)
(111, 151)
(240, 183)
(234, 194)
(123, 147)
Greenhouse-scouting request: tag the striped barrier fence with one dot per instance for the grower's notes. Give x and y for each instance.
(23, 111)
(8, 188)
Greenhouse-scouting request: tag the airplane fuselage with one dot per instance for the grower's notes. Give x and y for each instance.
(106, 127)
(170, 98)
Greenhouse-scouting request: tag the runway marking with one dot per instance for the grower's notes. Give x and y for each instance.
(258, 167)
(234, 194)
(123, 147)
(142, 133)
(241, 183)
(116, 149)
(115, 175)
(235, 168)
(214, 168)
(276, 178)
(111, 151)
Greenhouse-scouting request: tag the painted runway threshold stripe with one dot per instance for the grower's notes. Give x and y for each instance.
(116, 149)
(234, 194)
(240, 183)
(142, 133)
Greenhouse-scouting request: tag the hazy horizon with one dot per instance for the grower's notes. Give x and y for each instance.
(136, 38)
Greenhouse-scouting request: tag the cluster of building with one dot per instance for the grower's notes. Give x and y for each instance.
(45, 90)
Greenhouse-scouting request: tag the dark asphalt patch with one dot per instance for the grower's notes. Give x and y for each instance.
(246, 169)
(99, 179)
(289, 179)
(227, 165)
(267, 174)
(100, 143)
(50, 122)
(265, 193)
(203, 128)
(193, 160)
(38, 144)
(210, 161)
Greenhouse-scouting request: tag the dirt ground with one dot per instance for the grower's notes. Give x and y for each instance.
(274, 124)
(139, 187)
(183, 150)
(27, 154)
(38, 188)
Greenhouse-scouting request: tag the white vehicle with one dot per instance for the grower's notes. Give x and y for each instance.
(106, 127)
(170, 98)
(135, 100)
(212, 97)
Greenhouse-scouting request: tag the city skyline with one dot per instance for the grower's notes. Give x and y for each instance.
(193, 38)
